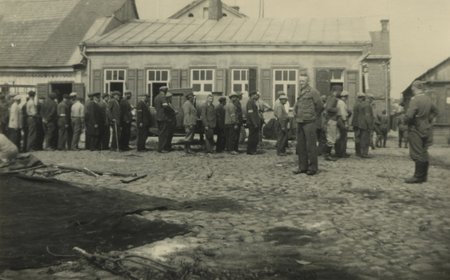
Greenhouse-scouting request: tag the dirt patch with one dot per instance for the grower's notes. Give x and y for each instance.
(42, 221)
(290, 236)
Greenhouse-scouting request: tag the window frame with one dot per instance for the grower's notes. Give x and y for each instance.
(148, 82)
(245, 84)
(204, 81)
(285, 83)
(107, 83)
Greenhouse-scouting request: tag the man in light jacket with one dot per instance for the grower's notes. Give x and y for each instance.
(189, 121)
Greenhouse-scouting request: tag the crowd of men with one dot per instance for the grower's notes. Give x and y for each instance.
(321, 124)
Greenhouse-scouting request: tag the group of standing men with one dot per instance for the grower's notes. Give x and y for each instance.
(58, 126)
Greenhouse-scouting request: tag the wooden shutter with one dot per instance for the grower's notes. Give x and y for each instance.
(266, 86)
(352, 86)
(131, 84)
(42, 90)
(252, 78)
(140, 84)
(97, 80)
(221, 80)
(184, 81)
(323, 77)
(175, 78)
(79, 89)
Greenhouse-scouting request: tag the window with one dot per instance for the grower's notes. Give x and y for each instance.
(239, 80)
(156, 79)
(115, 80)
(286, 80)
(202, 80)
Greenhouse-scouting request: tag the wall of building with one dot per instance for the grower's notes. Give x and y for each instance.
(441, 73)
(378, 79)
(201, 12)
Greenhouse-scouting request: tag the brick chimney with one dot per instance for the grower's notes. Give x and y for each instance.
(215, 10)
(384, 25)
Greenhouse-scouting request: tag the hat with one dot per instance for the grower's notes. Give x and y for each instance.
(168, 94)
(233, 94)
(163, 88)
(282, 96)
(73, 94)
(189, 93)
(93, 94)
(17, 97)
(31, 93)
(360, 94)
(253, 93)
(65, 95)
(369, 95)
(280, 92)
(343, 93)
(115, 92)
(222, 98)
(127, 91)
(418, 84)
(105, 95)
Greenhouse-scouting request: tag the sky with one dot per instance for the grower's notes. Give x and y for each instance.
(420, 29)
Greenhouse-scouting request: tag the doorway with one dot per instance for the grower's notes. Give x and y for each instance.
(155, 90)
(116, 86)
(60, 89)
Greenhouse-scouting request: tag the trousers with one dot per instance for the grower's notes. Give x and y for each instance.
(307, 146)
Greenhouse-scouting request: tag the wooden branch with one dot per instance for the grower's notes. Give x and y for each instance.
(95, 171)
(132, 179)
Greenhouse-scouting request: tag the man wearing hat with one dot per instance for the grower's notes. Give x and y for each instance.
(94, 119)
(231, 124)
(63, 112)
(253, 123)
(419, 116)
(282, 118)
(31, 111)
(370, 98)
(171, 116)
(190, 116)
(125, 121)
(114, 115)
(49, 120)
(306, 112)
(15, 122)
(162, 119)
(143, 119)
(208, 117)
(105, 133)
(220, 124)
(77, 120)
(362, 124)
(240, 120)
(342, 124)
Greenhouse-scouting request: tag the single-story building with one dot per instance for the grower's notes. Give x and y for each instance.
(438, 81)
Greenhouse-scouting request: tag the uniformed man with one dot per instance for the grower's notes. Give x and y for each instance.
(382, 122)
(161, 119)
(94, 119)
(239, 119)
(342, 124)
(63, 122)
(306, 111)
(370, 98)
(39, 144)
(253, 123)
(31, 110)
(189, 121)
(143, 119)
(114, 114)
(105, 132)
(331, 130)
(419, 116)
(125, 121)
(282, 122)
(402, 130)
(171, 116)
(321, 129)
(220, 124)
(49, 120)
(208, 117)
(362, 123)
(15, 121)
(231, 124)
(77, 120)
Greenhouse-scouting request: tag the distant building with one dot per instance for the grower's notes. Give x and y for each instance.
(199, 9)
(438, 81)
(39, 41)
(223, 54)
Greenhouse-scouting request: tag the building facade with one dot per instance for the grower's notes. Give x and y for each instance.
(438, 82)
(199, 9)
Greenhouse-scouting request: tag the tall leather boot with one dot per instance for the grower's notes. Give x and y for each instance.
(420, 173)
(358, 149)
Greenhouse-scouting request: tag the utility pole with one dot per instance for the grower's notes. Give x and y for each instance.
(261, 8)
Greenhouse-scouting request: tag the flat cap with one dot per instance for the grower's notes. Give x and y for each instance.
(31, 93)
(127, 91)
(104, 95)
(233, 94)
(418, 84)
(93, 94)
(163, 88)
(344, 93)
(280, 92)
(73, 94)
(222, 98)
(360, 94)
(168, 94)
(282, 96)
(17, 97)
(369, 95)
(115, 92)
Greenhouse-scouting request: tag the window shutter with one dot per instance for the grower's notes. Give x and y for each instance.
(97, 80)
(79, 89)
(131, 84)
(252, 76)
(266, 86)
(352, 86)
(140, 85)
(42, 90)
(184, 81)
(175, 78)
(221, 80)
(323, 77)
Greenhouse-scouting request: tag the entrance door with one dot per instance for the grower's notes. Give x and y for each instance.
(116, 86)
(60, 89)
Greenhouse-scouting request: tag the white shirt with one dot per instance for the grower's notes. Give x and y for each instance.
(31, 108)
(342, 109)
(15, 116)
(77, 110)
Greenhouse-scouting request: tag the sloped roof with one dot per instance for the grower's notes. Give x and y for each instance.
(46, 33)
(229, 31)
(195, 3)
(406, 90)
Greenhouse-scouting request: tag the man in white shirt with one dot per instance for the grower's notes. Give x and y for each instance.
(15, 121)
(342, 124)
(77, 120)
(31, 110)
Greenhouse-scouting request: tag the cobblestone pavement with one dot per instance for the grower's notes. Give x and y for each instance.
(355, 217)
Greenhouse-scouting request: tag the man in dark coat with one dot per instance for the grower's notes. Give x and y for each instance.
(105, 133)
(240, 121)
(93, 119)
(125, 121)
(32, 115)
(306, 111)
(253, 124)
(161, 119)
(49, 120)
(171, 116)
(143, 119)
(208, 117)
(114, 114)
(63, 110)
(362, 125)
(220, 124)
(419, 116)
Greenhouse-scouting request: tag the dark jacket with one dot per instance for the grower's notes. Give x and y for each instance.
(420, 114)
(49, 110)
(308, 107)
(253, 117)
(160, 104)
(63, 111)
(93, 118)
(114, 110)
(125, 112)
(208, 115)
(239, 115)
(331, 108)
(363, 115)
(220, 116)
(143, 114)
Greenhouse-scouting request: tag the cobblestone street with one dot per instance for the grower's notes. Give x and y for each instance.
(356, 219)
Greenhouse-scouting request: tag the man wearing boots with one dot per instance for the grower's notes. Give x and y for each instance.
(208, 117)
(282, 118)
(220, 124)
(402, 130)
(419, 117)
(143, 122)
(253, 123)
(189, 121)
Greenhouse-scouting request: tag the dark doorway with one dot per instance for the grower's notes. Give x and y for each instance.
(155, 90)
(60, 89)
(113, 86)
(338, 87)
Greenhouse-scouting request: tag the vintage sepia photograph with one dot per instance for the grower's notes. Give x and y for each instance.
(224, 139)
